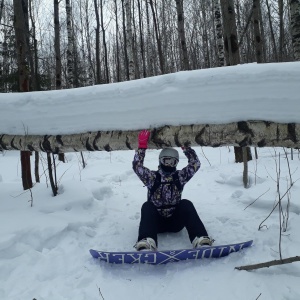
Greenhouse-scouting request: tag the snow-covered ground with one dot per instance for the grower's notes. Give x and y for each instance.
(44, 249)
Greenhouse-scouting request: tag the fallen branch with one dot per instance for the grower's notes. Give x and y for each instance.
(269, 264)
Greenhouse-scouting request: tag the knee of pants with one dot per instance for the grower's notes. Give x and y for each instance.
(186, 204)
(148, 206)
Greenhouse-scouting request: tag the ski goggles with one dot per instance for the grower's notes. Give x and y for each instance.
(169, 161)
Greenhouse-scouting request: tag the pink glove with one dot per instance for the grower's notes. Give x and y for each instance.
(143, 139)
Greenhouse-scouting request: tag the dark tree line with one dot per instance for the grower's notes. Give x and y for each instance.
(101, 41)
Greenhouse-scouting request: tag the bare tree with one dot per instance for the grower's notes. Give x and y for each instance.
(57, 46)
(20, 15)
(272, 30)
(104, 43)
(117, 47)
(295, 27)
(98, 76)
(142, 38)
(181, 33)
(257, 31)
(281, 29)
(70, 52)
(158, 38)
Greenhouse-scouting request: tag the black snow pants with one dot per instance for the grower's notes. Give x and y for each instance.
(185, 215)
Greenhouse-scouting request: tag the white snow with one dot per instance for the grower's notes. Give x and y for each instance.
(44, 249)
(246, 92)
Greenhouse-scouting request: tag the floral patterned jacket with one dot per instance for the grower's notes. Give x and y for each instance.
(167, 195)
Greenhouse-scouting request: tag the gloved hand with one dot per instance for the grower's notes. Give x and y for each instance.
(143, 139)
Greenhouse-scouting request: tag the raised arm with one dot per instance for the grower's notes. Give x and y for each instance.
(146, 176)
(193, 166)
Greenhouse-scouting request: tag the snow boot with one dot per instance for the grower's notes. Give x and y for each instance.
(146, 244)
(202, 241)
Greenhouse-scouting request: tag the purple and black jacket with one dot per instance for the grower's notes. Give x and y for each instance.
(167, 195)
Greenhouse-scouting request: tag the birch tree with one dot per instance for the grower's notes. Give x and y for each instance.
(219, 33)
(1, 9)
(233, 56)
(129, 40)
(230, 33)
(295, 27)
(150, 57)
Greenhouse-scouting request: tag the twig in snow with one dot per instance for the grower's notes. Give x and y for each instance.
(100, 293)
(259, 227)
(205, 157)
(269, 264)
(256, 199)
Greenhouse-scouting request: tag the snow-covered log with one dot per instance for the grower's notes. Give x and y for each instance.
(250, 133)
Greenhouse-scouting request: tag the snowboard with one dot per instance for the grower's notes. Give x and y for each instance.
(168, 256)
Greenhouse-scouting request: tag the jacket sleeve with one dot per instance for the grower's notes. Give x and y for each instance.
(146, 176)
(193, 166)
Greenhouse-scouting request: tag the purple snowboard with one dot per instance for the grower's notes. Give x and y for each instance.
(164, 257)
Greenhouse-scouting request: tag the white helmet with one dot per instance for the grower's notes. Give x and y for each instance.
(169, 157)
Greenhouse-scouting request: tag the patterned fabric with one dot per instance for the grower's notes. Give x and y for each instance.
(167, 196)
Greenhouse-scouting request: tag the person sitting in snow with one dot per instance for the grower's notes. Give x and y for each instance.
(165, 211)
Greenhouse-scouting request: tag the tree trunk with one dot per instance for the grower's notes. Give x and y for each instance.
(230, 32)
(295, 27)
(281, 29)
(142, 39)
(104, 44)
(272, 31)
(242, 134)
(118, 76)
(33, 59)
(219, 33)
(1, 9)
(58, 83)
(205, 36)
(231, 48)
(125, 43)
(20, 13)
(52, 183)
(57, 46)
(241, 33)
(181, 33)
(36, 166)
(158, 40)
(257, 31)
(98, 78)
(129, 40)
(70, 52)
(149, 45)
